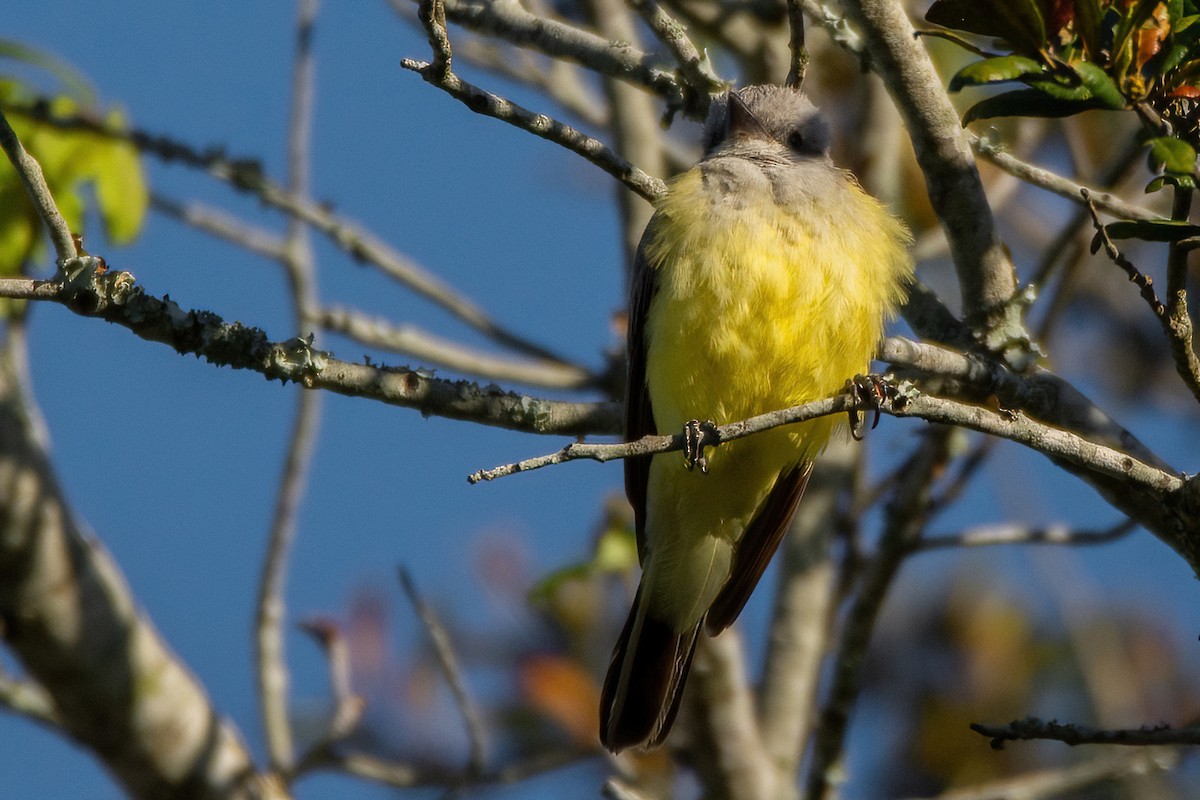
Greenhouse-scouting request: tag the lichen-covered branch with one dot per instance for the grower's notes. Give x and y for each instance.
(955, 190)
(115, 297)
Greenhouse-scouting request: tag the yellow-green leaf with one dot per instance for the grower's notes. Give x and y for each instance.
(121, 192)
(995, 70)
(1168, 154)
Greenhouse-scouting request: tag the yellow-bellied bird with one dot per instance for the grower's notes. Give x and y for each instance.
(763, 281)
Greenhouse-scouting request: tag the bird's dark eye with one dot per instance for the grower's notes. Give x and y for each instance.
(797, 142)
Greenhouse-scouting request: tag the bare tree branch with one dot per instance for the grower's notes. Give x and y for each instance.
(115, 297)
(442, 76)
(444, 653)
(988, 535)
(733, 745)
(984, 270)
(694, 67)
(1032, 728)
(1178, 318)
(272, 673)
(799, 65)
(1056, 184)
(428, 348)
(1139, 279)
(903, 526)
(30, 173)
(510, 21)
(802, 616)
(71, 619)
(246, 175)
(223, 226)
(348, 707)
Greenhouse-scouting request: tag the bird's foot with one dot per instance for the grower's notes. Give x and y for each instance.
(698, 434)
(869, 392)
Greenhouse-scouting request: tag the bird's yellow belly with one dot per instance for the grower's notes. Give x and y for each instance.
(758, 323)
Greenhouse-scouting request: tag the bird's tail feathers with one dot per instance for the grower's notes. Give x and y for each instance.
(645, 680)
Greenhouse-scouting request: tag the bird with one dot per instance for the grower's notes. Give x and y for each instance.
(763, 280)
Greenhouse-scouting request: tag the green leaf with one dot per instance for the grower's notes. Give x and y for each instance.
(1018, 22)
(1183, 23)
(1087, 22)
(1152, 230)
(1171, 155)
(1178, 181)
(1027, 103)
(121, 193)
(1060, 89)
(995, 70)
(1099, 84)
(19, 224)
(71, 160)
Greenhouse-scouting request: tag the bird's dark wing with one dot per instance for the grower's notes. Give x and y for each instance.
(639, 416)
(758, 544)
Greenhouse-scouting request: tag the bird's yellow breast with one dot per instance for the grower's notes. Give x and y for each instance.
(760, 305)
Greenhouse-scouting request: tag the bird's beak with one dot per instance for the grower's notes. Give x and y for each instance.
(742, 121)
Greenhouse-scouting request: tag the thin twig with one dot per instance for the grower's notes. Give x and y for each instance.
(452, 671)
(30, 173)
(1056, 184)
(546, 127)
(1138, 278)
(561, 82)
(1055, 442)
(1032, 728)
(439, 74)
(222, 225)
(1068, 237)
(512, 22)
(650, 445)
(273, 674)
(840, 31)
(990, 535)
(799, 65)
(431, 349)
(694, 67)
(402, 775)
(348, 707)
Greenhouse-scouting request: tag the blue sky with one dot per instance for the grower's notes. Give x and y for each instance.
(174, 463)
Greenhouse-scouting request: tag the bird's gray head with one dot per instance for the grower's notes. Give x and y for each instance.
(768, 114)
